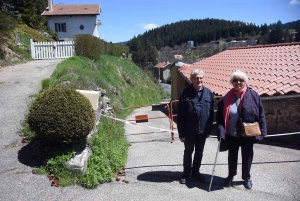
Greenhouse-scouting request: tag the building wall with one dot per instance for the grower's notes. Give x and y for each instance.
(283, 115)
(182, 84)
(190, 44)
(162, 73)
(174, 81)
(165, 73)
(73, 24)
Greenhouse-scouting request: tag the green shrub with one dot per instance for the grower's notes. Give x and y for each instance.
(93, 47)
(25, 52)
(61, 115)
(45, 84)
(7, 24)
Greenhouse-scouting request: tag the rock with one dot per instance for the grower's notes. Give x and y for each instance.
(79, 162)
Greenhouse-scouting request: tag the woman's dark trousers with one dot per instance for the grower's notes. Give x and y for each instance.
(247, 155)
(196, 141)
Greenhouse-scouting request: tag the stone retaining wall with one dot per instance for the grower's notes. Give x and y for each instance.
(283, 116)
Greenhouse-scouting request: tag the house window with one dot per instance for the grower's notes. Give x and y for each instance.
(60, 27)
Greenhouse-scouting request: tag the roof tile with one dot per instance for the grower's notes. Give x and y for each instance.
(73, 9)
(271, 69)
(161, 65)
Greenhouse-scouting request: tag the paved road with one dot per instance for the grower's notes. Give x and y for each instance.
(154, 163)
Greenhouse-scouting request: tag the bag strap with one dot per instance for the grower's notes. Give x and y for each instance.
(238, 109)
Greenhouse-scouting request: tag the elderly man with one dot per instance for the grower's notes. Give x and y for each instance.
(195, 118)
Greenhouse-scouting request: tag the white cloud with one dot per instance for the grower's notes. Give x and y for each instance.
(294, 2)
(149, 26)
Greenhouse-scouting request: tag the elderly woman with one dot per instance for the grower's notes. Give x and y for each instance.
(240, 102)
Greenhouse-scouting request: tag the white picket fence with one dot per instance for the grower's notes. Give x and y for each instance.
(52, 50)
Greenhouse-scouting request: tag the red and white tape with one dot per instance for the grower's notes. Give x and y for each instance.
(137, 124)
(172, 131)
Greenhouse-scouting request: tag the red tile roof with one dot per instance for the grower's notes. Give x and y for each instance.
(74, 9)
(178, 56)
(161, 65)
(271, 69)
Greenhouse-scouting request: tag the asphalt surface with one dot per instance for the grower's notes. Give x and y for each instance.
(154, 163)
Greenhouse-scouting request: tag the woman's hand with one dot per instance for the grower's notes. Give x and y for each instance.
(182, 139)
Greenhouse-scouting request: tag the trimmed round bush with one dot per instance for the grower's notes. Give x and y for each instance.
(61, 115)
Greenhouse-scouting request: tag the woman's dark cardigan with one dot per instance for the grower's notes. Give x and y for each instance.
(252, 111)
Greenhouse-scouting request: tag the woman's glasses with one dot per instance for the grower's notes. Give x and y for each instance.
(236, 80)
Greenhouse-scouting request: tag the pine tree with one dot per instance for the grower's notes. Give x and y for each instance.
(276, 34)
(264, 29)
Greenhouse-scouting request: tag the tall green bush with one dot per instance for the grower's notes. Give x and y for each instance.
(92, 47)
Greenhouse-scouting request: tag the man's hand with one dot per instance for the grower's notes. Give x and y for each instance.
(208, 135)
(261, 137)
(182, 139)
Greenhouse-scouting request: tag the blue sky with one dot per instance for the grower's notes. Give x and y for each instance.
(124, 19)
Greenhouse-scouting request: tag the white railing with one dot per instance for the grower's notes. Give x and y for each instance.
(52, 50)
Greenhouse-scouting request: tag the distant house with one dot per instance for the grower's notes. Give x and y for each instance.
(190, 44)
(235, 43)
(163, 71)
(71, 19)
(273, 71)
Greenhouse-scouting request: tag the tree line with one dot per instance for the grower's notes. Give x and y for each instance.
(144, 47)
(30, 12)
(202, 31)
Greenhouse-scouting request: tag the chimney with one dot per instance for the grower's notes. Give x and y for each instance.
(50, 5)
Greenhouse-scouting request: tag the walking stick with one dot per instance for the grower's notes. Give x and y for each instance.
(212, 174)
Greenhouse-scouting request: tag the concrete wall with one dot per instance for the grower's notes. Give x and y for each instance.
(165, 72)
(73, 24)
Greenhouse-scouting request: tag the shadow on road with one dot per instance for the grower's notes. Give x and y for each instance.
(169, 176)
(278, 142)
(26, 157)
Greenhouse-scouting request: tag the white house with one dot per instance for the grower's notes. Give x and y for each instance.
(71, 19)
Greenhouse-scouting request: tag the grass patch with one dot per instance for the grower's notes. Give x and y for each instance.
(25, 52)
(45, 84)
(126, 85)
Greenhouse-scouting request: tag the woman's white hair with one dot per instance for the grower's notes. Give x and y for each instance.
(196, 71)
(238, 73)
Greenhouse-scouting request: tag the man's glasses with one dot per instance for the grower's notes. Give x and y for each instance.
(236, 80)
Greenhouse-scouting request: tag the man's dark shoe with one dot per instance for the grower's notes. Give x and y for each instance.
(228, 181)
(183, 179)
(248, 184)
(199, 177)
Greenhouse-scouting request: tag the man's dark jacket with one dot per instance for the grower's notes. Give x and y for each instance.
(252, 111)
(189, 122)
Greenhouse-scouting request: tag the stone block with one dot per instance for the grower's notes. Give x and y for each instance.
(93, 97)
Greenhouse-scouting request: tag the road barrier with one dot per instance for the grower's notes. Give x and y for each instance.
(172, 131)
